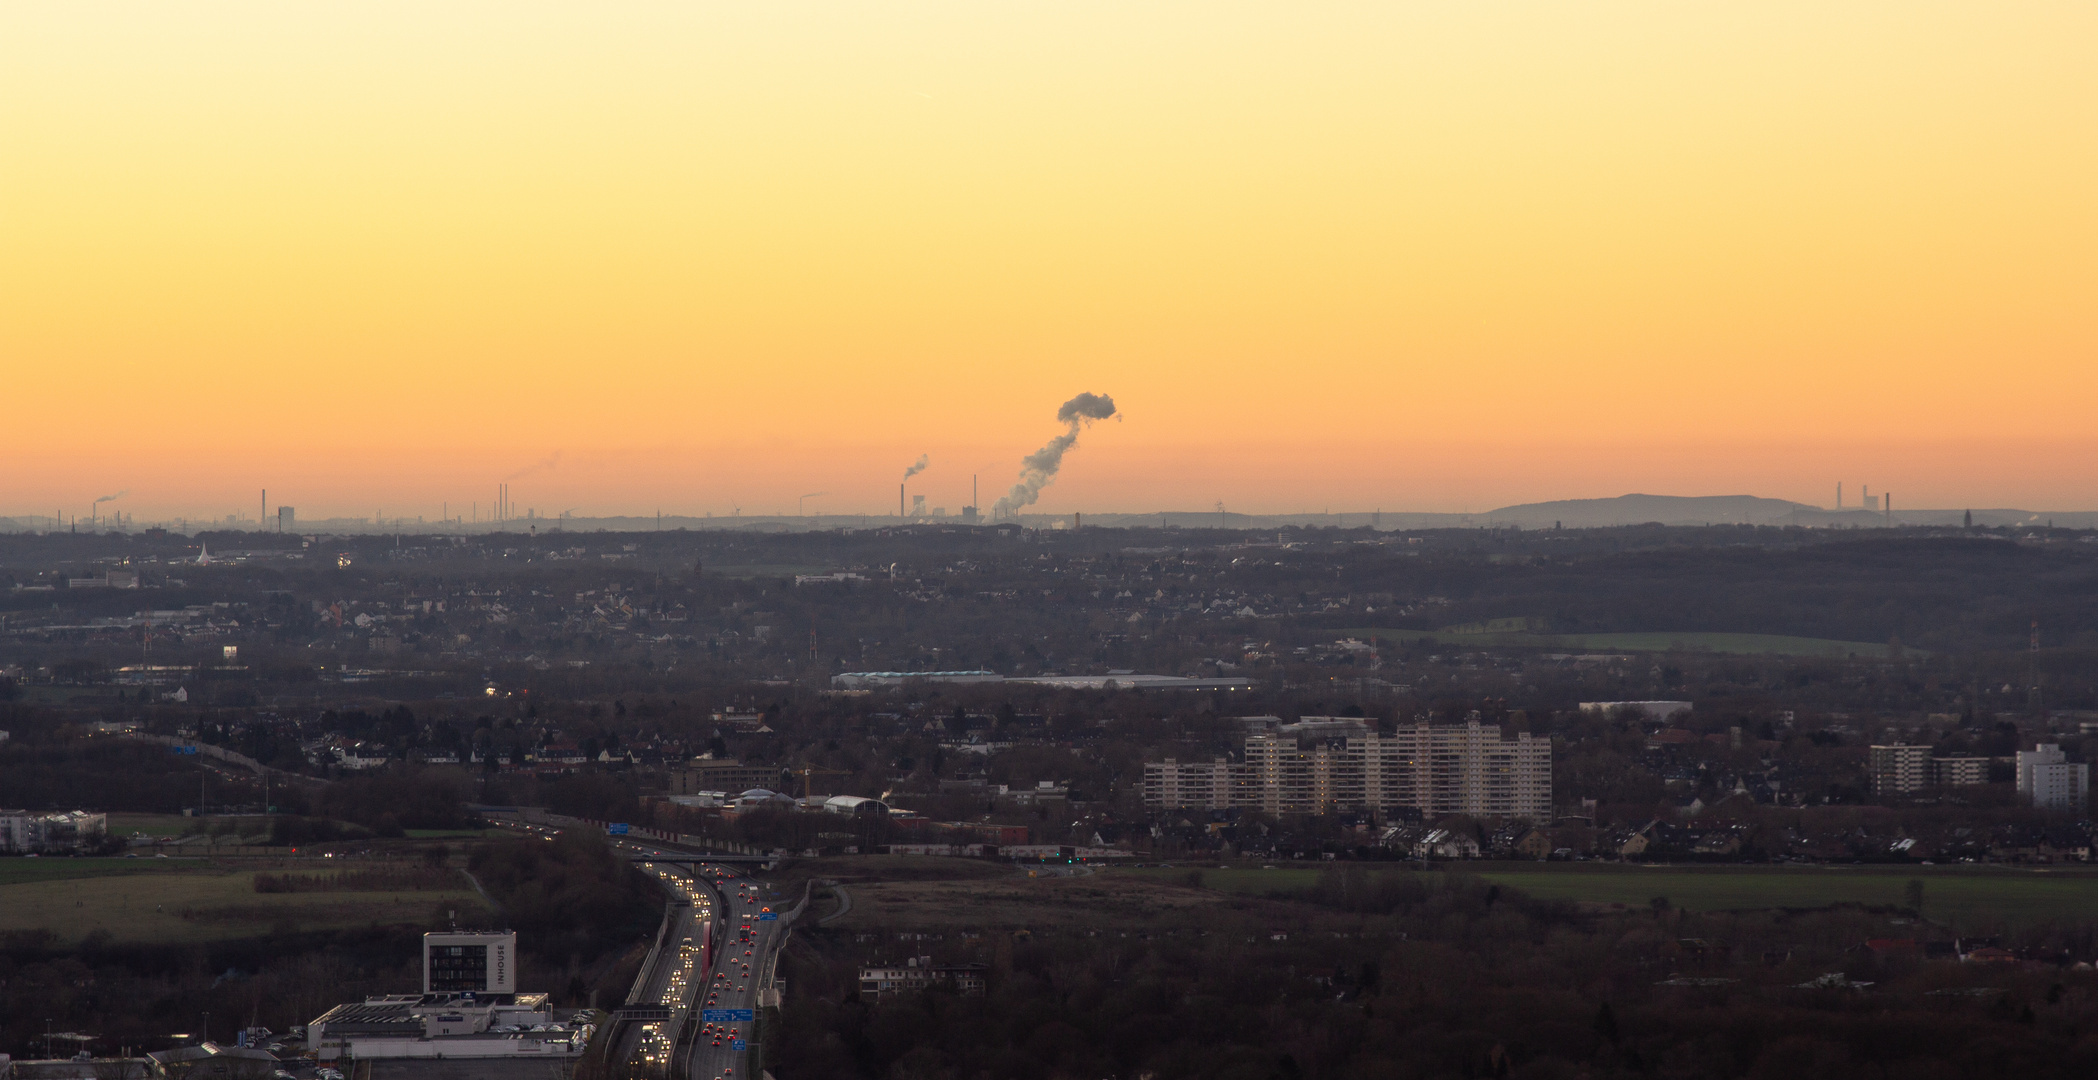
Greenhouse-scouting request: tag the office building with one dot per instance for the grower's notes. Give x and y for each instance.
(725, 775)
(470, 963)
(2051, 780)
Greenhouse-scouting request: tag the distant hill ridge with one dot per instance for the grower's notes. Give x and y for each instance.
(1665, 509)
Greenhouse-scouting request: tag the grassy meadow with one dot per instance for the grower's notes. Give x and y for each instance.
(1973, 898)
(187, 900)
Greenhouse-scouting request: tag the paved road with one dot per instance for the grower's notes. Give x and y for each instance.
(749, 947)
(679, 968)
(844, 904)
(746, 948)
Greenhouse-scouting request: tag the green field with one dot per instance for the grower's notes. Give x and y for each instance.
(176, 900)
(19, 871)
(1660, 641)
(1966, 897)
(151, 824)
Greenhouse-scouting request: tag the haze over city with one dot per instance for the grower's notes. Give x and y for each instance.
(1027, 540)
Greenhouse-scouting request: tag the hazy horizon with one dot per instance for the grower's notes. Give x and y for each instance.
(1628, 509)
(381, 258)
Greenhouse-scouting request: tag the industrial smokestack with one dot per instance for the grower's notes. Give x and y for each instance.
(1038, 470)
(915, 468)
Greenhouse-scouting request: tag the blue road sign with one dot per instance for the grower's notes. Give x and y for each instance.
(728, 1016)
(770, 916)
(617, 828)
(183, 749)
(739, 1044)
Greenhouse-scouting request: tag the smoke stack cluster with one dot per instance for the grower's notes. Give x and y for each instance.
(1038, 470)
(914, 469)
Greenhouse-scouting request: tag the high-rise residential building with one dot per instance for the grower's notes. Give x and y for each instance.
(1899, 769)
(1468, 768)
(1959, 771)
(2051, 779)
(1191, 785)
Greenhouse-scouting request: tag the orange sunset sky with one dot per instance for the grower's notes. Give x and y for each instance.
(695, 256)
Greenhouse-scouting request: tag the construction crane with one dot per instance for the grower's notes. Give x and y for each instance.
(807, 771)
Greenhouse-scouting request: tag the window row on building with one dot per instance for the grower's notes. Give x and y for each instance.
(2044, 773)
(1468, 768)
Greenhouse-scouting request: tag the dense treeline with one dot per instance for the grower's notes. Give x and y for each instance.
(104, 774)
(391, 802)
(572, 895)
(1442, 976)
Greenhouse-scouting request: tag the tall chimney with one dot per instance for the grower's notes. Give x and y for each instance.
(899, 501)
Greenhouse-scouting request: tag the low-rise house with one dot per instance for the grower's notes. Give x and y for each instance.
(1446, 844)
(1535, 844)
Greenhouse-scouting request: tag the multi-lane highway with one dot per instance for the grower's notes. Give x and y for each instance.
(710, 996)
(744, 964)
(672, 980)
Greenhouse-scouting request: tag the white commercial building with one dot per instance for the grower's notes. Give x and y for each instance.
(469, 1008)
(2052, 780)
(463, 962)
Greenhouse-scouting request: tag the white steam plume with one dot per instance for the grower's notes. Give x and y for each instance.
(1038, 469)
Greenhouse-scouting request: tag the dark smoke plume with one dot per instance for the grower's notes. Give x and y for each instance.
(917, 466)
(1038, 469)
(115, 497)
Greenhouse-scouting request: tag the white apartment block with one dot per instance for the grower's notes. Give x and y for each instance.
(24, 831)
(1468, 768)
(2051, 779)
(1192, 785)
